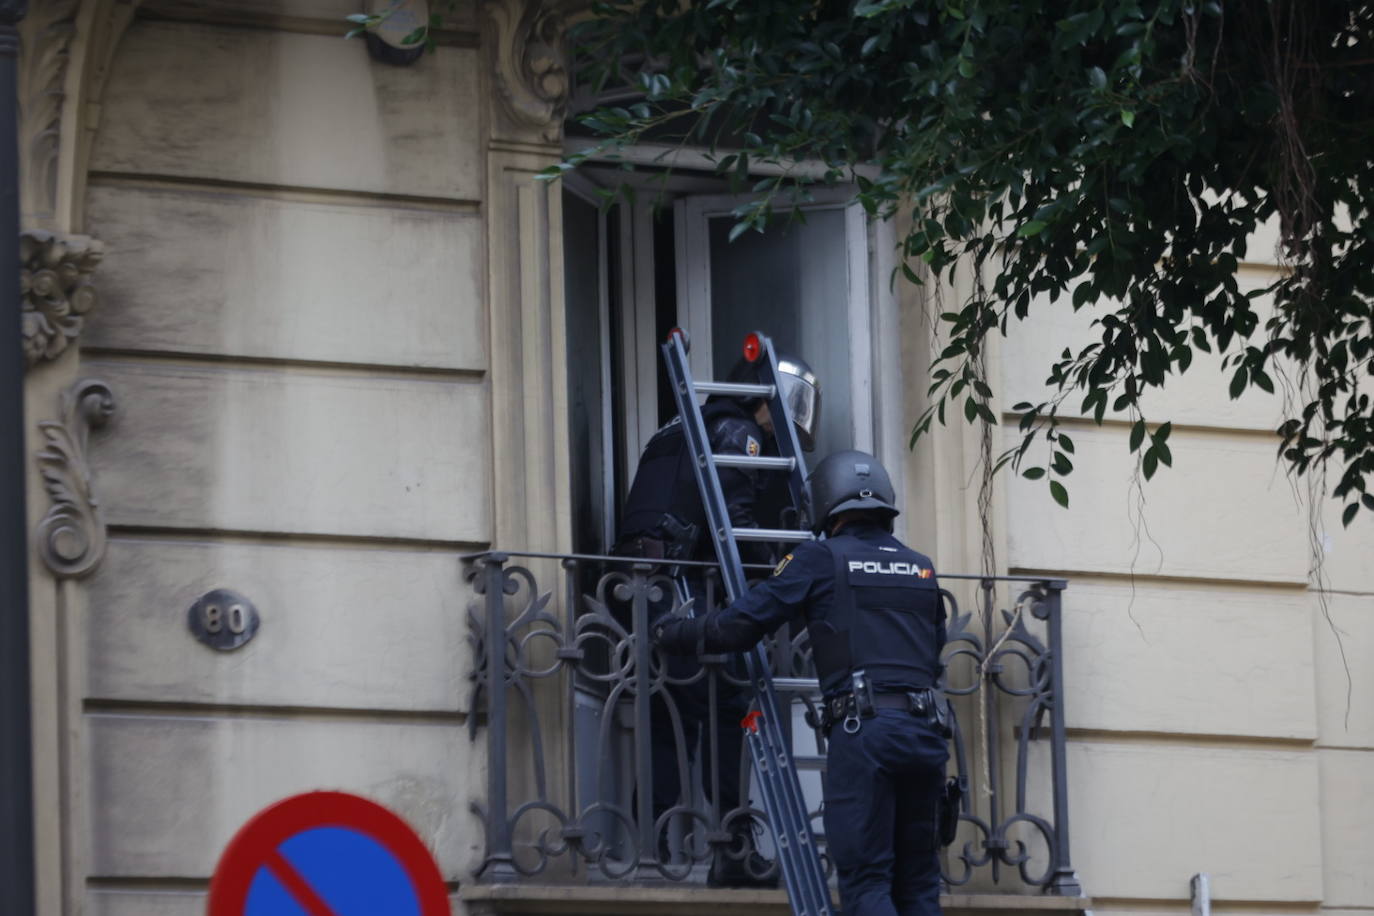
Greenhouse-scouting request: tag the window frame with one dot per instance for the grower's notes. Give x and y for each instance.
(692, 216)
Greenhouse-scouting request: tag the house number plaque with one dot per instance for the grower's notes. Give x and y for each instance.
(223, 619)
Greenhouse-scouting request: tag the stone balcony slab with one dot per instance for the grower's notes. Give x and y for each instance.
(678, 900)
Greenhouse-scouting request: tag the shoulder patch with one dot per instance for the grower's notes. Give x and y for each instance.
(782, 564)
(752, 446)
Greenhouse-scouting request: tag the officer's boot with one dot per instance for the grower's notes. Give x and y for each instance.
(738, 865)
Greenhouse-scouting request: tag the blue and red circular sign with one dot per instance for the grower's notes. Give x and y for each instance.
(327, 854)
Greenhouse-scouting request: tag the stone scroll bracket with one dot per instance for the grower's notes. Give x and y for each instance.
(529, 65)
(71, 536)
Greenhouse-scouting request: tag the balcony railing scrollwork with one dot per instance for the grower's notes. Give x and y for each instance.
(578, 709)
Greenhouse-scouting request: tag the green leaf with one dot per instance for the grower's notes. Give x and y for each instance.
(965, 68)
(1162, 433)
(1150, 463)
(1065, 443)
(1097, 78)
(1060, 494)
(1062, 464)
(1368, 500)
(1238, 382)
(870, 8)
(1034, 227)
(1137, 435)
(1034, 473)
(1348, 515)
(1128, 117)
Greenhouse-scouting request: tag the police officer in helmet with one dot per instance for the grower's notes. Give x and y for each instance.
(663, 519)
(876, 625)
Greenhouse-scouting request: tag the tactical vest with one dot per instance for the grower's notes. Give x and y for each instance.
(884, 620)
(665, 482)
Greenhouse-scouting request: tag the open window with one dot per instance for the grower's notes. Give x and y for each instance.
(638, 269)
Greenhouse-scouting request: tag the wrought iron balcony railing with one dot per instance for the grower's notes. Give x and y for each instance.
(578, 711)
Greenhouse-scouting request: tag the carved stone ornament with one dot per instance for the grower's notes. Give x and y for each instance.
(531, 63)
(56, 289)
(48, 32)
(66, 50)
(71, 537)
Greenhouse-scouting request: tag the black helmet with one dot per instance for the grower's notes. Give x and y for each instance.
(849, 480)
(800, 389)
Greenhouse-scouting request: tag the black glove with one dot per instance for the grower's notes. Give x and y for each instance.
(680, 635)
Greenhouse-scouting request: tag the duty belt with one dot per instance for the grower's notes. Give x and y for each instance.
(845, 707)
(650, 548)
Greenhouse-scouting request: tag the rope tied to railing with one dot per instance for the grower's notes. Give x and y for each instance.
(985, 680)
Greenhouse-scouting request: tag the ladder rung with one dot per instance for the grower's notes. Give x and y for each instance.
(797, 684)
(747, 461)
(735, 390)
(771, 534)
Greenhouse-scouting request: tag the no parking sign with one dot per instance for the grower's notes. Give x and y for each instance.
(327, 854)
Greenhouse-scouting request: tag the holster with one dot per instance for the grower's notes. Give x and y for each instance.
(679, 537)
(948, 824)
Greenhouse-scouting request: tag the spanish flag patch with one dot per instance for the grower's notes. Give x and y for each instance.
(752, 446)
(782, 564)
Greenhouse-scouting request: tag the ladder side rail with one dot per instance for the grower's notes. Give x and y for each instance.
(778, 732)
(708, 481)
(802, 891)
(797, 851)
(792, 815)
(785, 432)
(732, 570)
(793, 874)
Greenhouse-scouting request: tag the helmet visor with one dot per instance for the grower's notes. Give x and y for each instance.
(803, 398)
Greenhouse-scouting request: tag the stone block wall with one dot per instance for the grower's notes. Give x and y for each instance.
(1207, 699)
(295, 322)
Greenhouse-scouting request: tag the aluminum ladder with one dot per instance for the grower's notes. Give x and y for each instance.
(774, 768)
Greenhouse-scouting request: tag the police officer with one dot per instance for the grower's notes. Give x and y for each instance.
(876, 624)
(663, 519)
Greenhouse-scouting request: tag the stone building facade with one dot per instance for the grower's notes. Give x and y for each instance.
(305, 326)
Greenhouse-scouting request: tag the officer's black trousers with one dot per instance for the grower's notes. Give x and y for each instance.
(882, 791)
(692, 704)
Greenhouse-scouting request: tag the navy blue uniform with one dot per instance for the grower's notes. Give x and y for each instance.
(665, 483)
(665, 497)
(870, 604)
